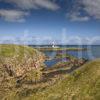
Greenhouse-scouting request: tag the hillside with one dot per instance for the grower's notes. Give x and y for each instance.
(22, 71)
(83, 84)
(18, 64)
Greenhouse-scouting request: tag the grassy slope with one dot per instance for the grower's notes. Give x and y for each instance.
(83, 84)
(19, 52)
(13, 50)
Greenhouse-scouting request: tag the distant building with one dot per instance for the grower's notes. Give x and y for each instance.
(53, 45)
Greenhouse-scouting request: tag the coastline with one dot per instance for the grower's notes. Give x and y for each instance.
(60, 49)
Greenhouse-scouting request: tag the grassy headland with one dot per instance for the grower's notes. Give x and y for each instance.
(23, 76)
(60, 49)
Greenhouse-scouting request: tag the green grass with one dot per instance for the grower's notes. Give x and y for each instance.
(60, 49)
(61, 55)
(83, 84)
(13, 50)
(17, 51)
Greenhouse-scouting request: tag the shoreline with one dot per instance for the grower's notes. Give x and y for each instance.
(59, 49)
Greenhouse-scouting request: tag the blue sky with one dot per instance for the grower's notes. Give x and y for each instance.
(45, 20)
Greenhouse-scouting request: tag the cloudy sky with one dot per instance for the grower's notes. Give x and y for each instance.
(35, 21)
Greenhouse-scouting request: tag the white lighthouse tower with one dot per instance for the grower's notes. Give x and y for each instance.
(53, 45)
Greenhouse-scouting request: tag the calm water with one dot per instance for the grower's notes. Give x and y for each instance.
(93, 52)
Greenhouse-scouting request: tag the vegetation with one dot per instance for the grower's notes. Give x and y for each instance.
(60, 49)
(83, 84)
(23, 76)
(18, 65)
(64, 55)
(65, 65)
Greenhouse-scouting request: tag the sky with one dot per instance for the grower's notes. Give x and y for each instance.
(47, 21)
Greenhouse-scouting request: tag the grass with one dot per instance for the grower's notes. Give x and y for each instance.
(64, 55)
(13, 50)
(17, 64)
(18, 53)
(60, 49)
(83, 84)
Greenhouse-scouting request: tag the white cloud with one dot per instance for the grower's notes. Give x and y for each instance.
(13, 15)
(92, 7)
(76, 16)
(84, 10)
(24, 6)
(33, 4)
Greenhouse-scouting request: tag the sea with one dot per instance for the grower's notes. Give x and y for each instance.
(92, 52)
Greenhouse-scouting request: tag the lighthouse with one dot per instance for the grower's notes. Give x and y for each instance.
(53, 45)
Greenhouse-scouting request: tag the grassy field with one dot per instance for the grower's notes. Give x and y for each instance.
(83, 84)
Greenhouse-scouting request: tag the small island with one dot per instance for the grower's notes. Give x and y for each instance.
(60, 49)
